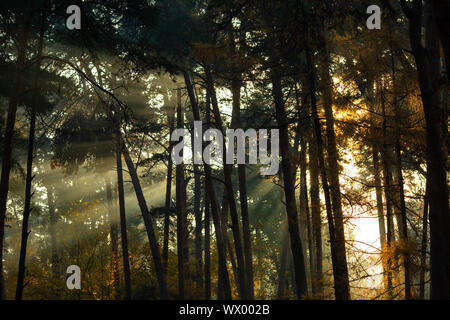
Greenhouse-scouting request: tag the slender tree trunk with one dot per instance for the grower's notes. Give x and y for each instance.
(149, 227)
(207, 240)
(246, 231)
(114, 235)
(377, 168)
(211, 193)
(29, 178)
(379, 194)
(27, 207)
(9, 133)
(310, 247)
(165, 254)
(198, 224)
(441, 13)
(427, 61)
(424, 245)
(342, 284)
(304, 206)
(229, 190)
(236, 124)
(123, 219)
(401, 206)
(224, 223)
(341, 288)
(390, 235)
(283, 264)
(291, 271)
(316, 219)
(403, 225)
(380, 209)
(182, 233)
(289, 190)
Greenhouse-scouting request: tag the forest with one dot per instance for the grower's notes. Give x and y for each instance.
(94, 207)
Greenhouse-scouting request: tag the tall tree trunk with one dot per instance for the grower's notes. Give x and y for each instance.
(27, 207)
(291, 271)
(149, 227)
(342, 283)
(165, 253)
(9, 133)
(229, 190)
(379, 194)
(236, 85)
(224, 223)
(207, 242)
(211, 193)
(316, 219)
(380, 209)
(29, 177)
(400, 194)
(114, 235)
(390, 235)
(427, 61)
(304, 209)
(403, 224)
(182, 232)
(248, 255)
(424, 245)
(283, 264)
(123, 219)
(289, 189)
(198, 224)
(341, 288)
(377, 168)
(441, 14)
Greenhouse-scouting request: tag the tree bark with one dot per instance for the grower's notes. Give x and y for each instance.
(224, 222)
(283, 264)
(198, 224)
(114, 235)
(165, 253)
(424, 245)
(379, 194)
(27, 207)
(235, 124)
(229, 190)
(123, 219)
(390, 235)
(9, 133)
(441, 13)
(305, 213)
(380, 210)
(207, 240)
(341, 288)
(153, 242)
(289, 190)
(211, 193)
(427, 61)
(400, 206)
(29, 177)
(342, 283)
(182, 233)
(316, 219)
